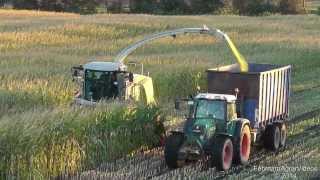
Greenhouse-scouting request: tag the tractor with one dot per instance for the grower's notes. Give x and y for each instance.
(241, 108)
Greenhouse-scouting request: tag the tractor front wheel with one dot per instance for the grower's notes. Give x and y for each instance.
(223, 153)
(243, 146)
(171, 149)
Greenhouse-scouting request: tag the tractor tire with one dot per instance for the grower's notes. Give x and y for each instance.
(283, 134)
(222, 153)
(272, 137)
(243, 146)
(171, 149)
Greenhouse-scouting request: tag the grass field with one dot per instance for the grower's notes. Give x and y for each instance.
(41, 135)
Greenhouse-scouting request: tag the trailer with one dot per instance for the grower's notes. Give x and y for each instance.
(263, 92)
(238, 110)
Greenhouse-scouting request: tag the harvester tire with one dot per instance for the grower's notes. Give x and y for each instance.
(243, 146)
(272, 137)
(283, 135)
(171, 149)
(222, 153)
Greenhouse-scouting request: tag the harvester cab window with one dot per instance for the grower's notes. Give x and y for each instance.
(210, 109)
(114, 85)
(100, 85)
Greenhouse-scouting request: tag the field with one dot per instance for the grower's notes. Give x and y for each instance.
(42, 136)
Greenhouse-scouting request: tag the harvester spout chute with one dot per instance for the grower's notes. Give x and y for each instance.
(241, 60)
(205, 30)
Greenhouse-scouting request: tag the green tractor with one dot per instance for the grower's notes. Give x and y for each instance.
(240, 109)
(210, 129)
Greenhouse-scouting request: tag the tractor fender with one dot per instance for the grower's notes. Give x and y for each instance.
(240, 123)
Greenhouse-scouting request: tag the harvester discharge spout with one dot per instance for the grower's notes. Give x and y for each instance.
(173, 33)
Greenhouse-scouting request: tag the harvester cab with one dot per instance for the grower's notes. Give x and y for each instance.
(110, 80)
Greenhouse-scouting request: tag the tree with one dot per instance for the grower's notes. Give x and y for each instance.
(25, 4)
(173, 7)
(52, 5)
(143, 6)
(292, 6)
(204, 6)
(77, 6)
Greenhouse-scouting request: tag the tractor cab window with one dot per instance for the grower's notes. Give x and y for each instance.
(232, 114)
(100, 85)
(210, 109)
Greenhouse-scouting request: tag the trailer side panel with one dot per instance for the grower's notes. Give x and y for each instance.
(263, 91)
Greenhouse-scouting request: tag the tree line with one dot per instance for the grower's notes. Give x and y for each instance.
(243, 7)
(76, 6)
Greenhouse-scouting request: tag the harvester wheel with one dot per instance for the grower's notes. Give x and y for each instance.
(243, 146)
(283, 135)
(272, 137)
(171, 150)
(223, 153)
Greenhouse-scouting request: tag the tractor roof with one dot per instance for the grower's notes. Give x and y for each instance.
(210, 96)
(105, 66)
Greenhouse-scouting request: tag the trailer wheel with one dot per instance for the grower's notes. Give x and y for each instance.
(283, 135)
(223, 153)
(272, 137)
(243, 146)
(171, 150)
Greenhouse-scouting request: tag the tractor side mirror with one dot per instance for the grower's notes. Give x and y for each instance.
(131, 77)
(77, 72)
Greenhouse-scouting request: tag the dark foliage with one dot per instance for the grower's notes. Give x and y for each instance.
(244, 7)
(143, 6)
(77, 6)
(292, 7)
(25, 4)
(259, 7)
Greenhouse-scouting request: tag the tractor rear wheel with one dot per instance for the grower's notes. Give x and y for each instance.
(243, 146)
(283, 135)
(272, 137)
(171, 149)
(222, 153)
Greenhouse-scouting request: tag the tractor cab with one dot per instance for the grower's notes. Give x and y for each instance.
(214, 106)
(209, 113)
(220, 107)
